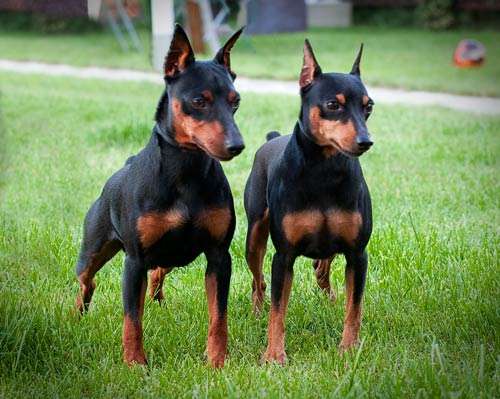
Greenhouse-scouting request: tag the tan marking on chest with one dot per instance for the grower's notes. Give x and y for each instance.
(216, 221)
(344, 224)
(297, 224)
(341, 224)
(153, 225)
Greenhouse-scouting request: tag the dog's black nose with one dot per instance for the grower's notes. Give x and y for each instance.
(364, 143)
(235, 149)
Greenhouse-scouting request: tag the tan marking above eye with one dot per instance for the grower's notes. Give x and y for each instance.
(232, 95)
(216, 221)
(340, 98)
(207, 94)
(152, 226)
(341, 224)
(365, 100)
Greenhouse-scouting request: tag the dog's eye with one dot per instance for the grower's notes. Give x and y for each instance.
(368, 109)
(199, 102)
(235, 104)
(333, 105)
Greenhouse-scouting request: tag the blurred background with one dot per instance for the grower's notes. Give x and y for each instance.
(412, 44)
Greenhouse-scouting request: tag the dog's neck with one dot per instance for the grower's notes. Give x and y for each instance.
(313, 153)
(178, 160)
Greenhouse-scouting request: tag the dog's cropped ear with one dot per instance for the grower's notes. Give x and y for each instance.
(310, 67)
(223, 55)
(180, 55)
(355, 67)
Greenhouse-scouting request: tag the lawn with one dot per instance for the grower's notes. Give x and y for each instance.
(395, 57)
(431, 316)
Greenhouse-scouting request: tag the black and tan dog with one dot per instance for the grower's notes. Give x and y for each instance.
(307, 189)
(171, 202)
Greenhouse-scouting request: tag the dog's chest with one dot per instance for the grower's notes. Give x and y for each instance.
(333, 224)
(181, 223)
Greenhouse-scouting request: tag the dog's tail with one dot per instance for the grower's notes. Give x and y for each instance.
(129, 160)
(272, 135)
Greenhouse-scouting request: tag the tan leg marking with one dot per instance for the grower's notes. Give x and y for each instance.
(156, 282)
(298, 224)
(344, 224)
(133, 350)
(216, 221)
(257, 243)
(275, 351)
(322, 272)
(153, 225)
(352, 322)
(86, 278)
(217, 325)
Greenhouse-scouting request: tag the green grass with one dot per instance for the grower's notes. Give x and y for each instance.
(396, 57)
(431, 316)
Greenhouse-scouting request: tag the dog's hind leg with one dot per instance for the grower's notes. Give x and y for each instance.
(257, 236)
(156, 282)
(99, 246)
(257, 213)
(322, 272)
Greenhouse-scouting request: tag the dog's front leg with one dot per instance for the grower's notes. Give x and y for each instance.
(281, 285)
(217, 279)
(355, 276)
(134, 291)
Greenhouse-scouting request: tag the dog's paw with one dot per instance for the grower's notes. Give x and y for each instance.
(347, 344)
(258, 297)
(331, 295)
(135, 359)
(257, 303)
(216, 361)
(273, 356)
(157, 296)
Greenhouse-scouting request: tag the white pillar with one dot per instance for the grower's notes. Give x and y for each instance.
(162, 26)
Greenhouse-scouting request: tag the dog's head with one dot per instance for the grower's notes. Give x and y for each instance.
(335, 106)
(200, 99)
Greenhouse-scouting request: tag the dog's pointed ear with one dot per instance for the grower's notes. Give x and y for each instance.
(355, 67)
(310, 67)
(180, 55)
(223, 55)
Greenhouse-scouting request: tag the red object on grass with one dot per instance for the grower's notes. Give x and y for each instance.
(469, 53)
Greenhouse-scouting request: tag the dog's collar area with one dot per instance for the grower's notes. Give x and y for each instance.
(301, 126)
(165, 136)
(304, 132)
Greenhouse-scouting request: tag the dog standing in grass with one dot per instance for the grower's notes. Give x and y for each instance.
(307, 190)
(171, 202)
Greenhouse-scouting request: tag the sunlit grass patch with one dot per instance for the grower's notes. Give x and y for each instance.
(430, 314)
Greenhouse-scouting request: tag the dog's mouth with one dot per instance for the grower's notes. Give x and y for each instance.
(217, 156)
(349, 153)
(222, 158)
